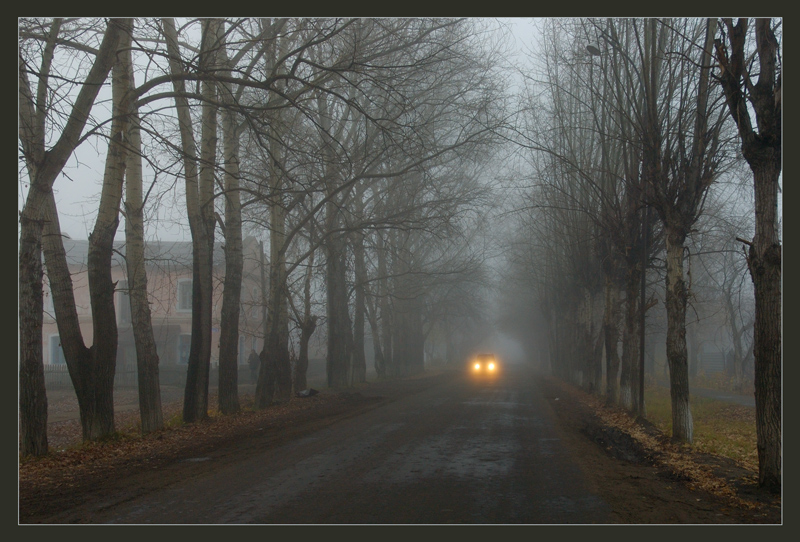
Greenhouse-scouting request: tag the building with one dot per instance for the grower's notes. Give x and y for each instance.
(169, 283)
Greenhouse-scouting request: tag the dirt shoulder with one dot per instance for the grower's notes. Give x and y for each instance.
(648, 480)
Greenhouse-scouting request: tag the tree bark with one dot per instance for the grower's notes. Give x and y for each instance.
(308, 322)
(338, 357)
(265, 385)
(234, 262)
(150, 411)
(93, 369)
(278, 317)
(301, 368)
(200, 212)
(693, 349)
(676, 296)
(762, 148)
(32, 392)
(359, 356)
(611, 336)
(384, 305)
(628, 387)
(764, 259)
(43, 167)
(408, 337)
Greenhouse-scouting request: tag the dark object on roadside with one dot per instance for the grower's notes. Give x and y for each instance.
(307, 393)
(253, 361)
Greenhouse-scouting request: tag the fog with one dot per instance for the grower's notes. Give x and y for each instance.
(446, 190)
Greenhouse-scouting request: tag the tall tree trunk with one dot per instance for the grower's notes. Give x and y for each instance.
(359, 356)
(93, 370)
(200, 211)
(301, 368)
(338, 357)
(764, 259)
(32, 392)
(762, 148)
(234, 262)
(43, 167)
(265, 385)
(630, 340)
(278, 324)
(150, 411)
(676, 297)
(611, 336)
(590, 340)
(409, 353)
(377, 350)
(384, 319)
(693, 349)
(278, 316)
(308, 322)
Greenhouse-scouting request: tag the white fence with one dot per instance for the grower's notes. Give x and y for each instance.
(57, 376)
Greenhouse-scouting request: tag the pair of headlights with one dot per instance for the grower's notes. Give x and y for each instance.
(490, 366)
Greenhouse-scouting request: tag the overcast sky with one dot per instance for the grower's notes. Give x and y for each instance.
(77, 189)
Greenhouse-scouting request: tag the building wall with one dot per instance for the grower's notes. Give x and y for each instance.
(171, 322)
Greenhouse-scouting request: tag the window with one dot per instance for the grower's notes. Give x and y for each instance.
(123, 303)
(49, 308)
(242, 352)
(185, 295)
(56, 352)
(184, 344)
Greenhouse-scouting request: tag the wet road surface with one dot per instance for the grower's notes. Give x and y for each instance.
(458, 452)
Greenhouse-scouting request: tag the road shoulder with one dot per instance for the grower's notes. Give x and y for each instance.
(646, 479)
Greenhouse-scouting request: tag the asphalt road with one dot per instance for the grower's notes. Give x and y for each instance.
(457, 452)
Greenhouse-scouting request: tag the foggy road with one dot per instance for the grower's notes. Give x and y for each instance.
(457, 452)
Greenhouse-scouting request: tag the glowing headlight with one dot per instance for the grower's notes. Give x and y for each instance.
(477, 366)
(491, 366)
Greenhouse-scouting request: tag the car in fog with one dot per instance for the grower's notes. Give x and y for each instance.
(483, 365)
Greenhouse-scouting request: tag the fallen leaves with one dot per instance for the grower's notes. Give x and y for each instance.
(71, 461)
(683, 461)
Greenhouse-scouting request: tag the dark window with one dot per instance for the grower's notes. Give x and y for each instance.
(56, 352)
(184, 344)
(185, 295)
(123, 302)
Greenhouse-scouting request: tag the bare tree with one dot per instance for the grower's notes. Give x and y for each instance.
(43, 166)
(146, 352)
(306, 321)
(762, 148)
(92, 368)
(199, 176)
(681, 162)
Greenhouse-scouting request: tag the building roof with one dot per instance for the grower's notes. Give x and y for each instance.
(172, 254)
(177, 253)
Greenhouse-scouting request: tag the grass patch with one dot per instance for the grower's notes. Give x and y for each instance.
(720, 428)
(173, 420)
(721, 381)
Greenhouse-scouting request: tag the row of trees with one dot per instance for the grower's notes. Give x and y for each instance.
(631, 126)
(358, 142)
(356, 149)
